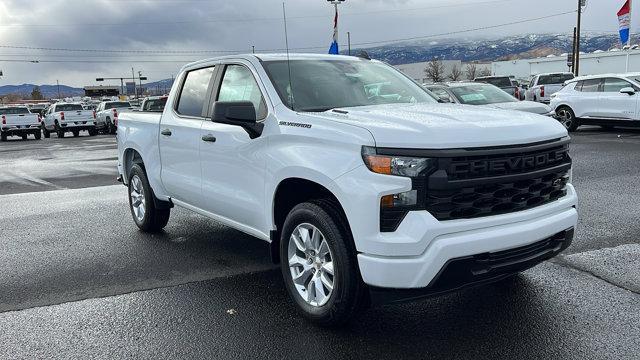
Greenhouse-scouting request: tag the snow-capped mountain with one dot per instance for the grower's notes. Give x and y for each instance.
(506, 48)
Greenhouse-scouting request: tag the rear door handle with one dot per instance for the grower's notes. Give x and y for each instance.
(208, 138)
(166, 132)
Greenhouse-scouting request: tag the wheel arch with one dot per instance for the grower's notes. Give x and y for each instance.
(290, 192)
(130, 157)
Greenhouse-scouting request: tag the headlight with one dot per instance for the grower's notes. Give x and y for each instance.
(395, 165)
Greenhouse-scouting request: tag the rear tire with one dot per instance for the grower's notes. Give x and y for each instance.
(60, 133)
(328, 295)
(142, 203)
(76, 133)
(93, 132)
(38, 135)
(24, 136)
(46, 133)
(567, 118)
(111, 129)
(3, 137)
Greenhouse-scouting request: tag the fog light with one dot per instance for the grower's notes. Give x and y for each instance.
(409, 198)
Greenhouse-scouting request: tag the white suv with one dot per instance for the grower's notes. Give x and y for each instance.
(607, 100)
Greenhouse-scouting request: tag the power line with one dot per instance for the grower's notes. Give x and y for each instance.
(193, 52)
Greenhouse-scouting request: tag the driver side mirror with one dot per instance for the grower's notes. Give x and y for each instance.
(444, 100)
(238, 113)
(628, 91)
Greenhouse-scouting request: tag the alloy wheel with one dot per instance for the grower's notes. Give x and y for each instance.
(565, 117)
(311, 264)
(137, 198)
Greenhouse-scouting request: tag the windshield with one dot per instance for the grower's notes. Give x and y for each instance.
(554, 79)
(68, 107)
(497, 81)
(320, 85)
(481, 94)
(14, 111)
(116, 105)
(155, 105)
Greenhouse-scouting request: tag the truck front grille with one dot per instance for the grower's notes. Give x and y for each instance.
(498, 181)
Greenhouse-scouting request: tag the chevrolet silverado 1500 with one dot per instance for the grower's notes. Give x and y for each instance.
(362, 195)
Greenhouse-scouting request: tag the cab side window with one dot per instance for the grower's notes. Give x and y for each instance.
(193, 94)
(238, 84)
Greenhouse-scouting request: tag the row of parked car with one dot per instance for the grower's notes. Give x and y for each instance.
(607, 100)
(62, 117)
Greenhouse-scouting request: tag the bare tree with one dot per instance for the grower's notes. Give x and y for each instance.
(435, 70)
(485, 72)
(456, 73)
(471, 71)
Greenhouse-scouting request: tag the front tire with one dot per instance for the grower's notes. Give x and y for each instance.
(319, 264)
(567, 118)
(142, 203)
(3, 137)
(93, 132)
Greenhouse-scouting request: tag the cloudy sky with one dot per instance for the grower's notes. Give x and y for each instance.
(168, 33)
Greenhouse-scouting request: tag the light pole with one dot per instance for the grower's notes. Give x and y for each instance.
(334, 49)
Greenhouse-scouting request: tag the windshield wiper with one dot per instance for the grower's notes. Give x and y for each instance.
(318, 109)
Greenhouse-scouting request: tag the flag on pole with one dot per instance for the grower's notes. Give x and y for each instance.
(624, 18)
(333, 49)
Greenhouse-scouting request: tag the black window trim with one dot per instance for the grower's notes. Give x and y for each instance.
(176, 99)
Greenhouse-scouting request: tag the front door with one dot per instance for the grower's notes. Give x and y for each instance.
(233, 166)
(179, 138)
(614, 104)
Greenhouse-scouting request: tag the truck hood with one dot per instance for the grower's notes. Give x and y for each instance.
(441, 126)
(527, 106)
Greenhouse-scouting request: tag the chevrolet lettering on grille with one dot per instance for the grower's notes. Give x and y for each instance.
(509, 165)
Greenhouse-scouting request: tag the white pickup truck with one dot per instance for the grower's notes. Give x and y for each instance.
(542, 86)
(19, 121)
(363, 198)
(107, 115)
(61, 118)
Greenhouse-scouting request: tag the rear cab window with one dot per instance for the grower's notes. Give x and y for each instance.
(554, 79)
(14, 111)
(69, 107)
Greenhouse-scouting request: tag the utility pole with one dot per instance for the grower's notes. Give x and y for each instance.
(573, 50)
(576, 68)
(140, 79)
(58, 84)
(349, 42)
(253, 49)
(133, 76)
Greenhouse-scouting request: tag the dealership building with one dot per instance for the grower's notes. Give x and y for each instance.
(598, 62)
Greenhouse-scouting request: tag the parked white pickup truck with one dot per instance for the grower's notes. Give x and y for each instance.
(542, 86)
(107, 115)
(61, 118)
(19, 121)
(362, 197)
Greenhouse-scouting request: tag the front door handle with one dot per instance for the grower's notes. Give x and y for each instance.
(208, 138)
(166, 132)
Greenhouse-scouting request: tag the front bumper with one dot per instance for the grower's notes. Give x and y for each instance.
(480, 269)
(420, 270)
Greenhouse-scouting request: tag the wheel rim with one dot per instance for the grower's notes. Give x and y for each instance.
(311, 264)
(565, 117)
(137, 198)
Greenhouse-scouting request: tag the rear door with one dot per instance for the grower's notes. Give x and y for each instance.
(179, 137)
(614, 104)
(233, 166)
(585, 103)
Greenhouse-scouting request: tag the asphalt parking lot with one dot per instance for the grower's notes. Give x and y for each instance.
(77, 280)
